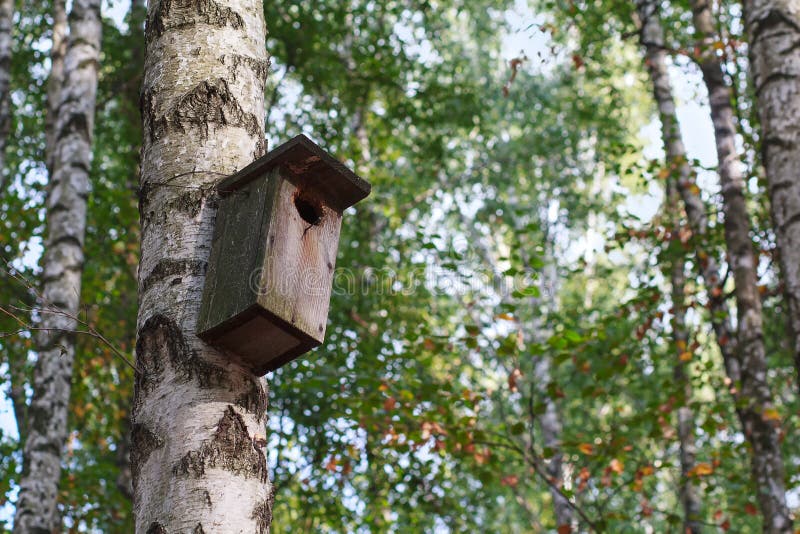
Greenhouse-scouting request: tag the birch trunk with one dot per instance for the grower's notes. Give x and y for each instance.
(56, 79)
(534, 331)
(550, 421)
(774, 29)
(198, 416)
(62, 266)
(689, 495)
(6, 25)
(681, 185)
(754, 402)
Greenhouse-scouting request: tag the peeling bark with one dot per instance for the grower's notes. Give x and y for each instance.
(754, 397)
(62, 266)
(194, 461)
(774, 30)
(6, 25)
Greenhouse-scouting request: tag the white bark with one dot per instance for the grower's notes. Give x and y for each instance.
(774, 29)
(196, 466)
(56, 79)
(62, 266)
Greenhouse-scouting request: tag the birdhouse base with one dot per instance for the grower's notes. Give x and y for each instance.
(244, 336)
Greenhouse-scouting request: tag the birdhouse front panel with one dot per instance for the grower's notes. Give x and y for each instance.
(273, 254)
(298, 270)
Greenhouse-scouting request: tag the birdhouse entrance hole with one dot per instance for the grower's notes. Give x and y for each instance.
(310, 211)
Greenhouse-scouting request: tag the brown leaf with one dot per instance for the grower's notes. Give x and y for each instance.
(512, 379)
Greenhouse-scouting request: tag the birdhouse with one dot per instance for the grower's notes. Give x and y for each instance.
(270, 272)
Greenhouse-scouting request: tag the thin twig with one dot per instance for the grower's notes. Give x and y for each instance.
(48, 307)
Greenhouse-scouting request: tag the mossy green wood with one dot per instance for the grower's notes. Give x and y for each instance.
(270, 274)
(237, 251)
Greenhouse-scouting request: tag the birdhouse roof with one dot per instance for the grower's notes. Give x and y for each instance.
(304, 162)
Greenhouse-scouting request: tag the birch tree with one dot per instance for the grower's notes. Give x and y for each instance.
(774, 29)
(56, 79)
(198, 416)
(755, 402)
(62, 266)
(6, 25)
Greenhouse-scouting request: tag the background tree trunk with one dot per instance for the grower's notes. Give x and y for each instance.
(62, 266)
(550, 420)
(56, 79)
(6, 26)
(198, 416)
(54, 83)
(774, 29)
(689, 494)
(755, 397)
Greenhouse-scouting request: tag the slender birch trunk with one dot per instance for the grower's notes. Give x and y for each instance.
(56, 79)
(755, 398)
(774, 29)
(54, 83)
(652, 40)
(6, 26)
(681, 185)
(689, 495)
(62, 266)
(550, 421)
(198, 416)
(534, 331)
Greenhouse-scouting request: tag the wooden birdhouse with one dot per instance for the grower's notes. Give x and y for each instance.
(270, 273)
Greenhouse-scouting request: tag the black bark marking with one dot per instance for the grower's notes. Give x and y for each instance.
(161, 339)
(177, 14)
(143, 443)
(77, 123)
(209, 102)
(771, 20)
(156, 528)
(263, 513)
(259, 67)
(231, 449)
(188, 203)
(254, 400)
(198, 529)
(169, 268)
(158, 340)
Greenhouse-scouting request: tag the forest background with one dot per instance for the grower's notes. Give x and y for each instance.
(502, 352)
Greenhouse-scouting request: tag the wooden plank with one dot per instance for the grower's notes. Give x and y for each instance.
(237, 252)
(305, 163)
(300, 261)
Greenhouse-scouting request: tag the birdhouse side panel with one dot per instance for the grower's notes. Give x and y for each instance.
(300, 258)
(237, 251)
